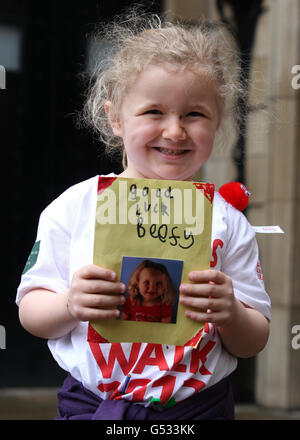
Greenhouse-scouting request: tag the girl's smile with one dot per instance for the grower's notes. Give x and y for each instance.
(168, 120)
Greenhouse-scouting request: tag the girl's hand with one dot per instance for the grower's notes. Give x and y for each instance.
(94, 294)
(210, 297)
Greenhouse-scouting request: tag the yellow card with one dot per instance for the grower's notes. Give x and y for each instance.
(152, 233)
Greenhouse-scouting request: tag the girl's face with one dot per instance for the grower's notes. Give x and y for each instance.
(151, 285)
(168, 120)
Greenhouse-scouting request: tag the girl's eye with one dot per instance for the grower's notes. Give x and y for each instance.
(195, 114)
(153, 112)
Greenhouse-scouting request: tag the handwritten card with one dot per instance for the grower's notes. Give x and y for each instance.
(152, 233)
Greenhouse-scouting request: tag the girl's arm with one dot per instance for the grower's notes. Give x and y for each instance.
(92, 295)
(45, 314)
(248, 332)
(244, 331)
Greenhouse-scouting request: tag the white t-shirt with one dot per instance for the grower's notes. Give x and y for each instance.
(139, 372)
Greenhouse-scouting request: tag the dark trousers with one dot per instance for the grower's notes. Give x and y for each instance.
(75, 402)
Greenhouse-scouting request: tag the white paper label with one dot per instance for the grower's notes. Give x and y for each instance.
(268, 229)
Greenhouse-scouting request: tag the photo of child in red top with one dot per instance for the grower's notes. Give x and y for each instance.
(151, 294)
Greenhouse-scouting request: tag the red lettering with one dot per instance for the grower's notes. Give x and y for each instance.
(178, 356)
(139, 394)
(216, 244)
(167, 383)
(115, 353)
(194, 383)
(107, 387)
(146, 359)
(201, 356)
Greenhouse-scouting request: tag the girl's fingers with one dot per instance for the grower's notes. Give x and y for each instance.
(203, 290)
(93, 271)
(99, 301)
(217, 318)
(207, 283)
(203, 304)
(94, 294)
(95, 314)
(209, 296)
(199, 317)
(102, 287)
(88, 306)
(206, 276)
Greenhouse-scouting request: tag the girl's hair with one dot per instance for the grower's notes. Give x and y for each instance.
(168, 295)
(138, 40)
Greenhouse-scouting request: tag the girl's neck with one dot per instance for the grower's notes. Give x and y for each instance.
(135, 175)
(130, 174)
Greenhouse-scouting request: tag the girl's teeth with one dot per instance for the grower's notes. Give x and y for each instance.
(172, 152)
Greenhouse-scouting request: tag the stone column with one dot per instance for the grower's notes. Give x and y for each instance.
(273, 170)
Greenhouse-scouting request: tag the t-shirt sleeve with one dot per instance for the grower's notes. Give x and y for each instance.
(47, 266)
(241, 262)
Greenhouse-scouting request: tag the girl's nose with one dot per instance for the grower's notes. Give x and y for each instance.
(174, 130)
(152, 287)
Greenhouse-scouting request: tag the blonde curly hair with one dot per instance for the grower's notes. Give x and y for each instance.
(138, 40)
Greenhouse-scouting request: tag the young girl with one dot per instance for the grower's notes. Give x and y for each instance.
(169, 92)
(151, 294)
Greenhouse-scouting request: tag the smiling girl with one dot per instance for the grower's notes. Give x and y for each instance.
(167, 94)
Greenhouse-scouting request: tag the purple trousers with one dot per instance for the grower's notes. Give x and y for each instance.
(75, 402)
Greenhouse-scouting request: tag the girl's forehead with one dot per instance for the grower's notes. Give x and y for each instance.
(164, 70)
(188, 79)
(197, 72)
(146, 271)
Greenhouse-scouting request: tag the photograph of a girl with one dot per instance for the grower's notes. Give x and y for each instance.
(151, 294)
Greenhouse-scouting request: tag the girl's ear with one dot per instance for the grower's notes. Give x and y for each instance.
(114, 120)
